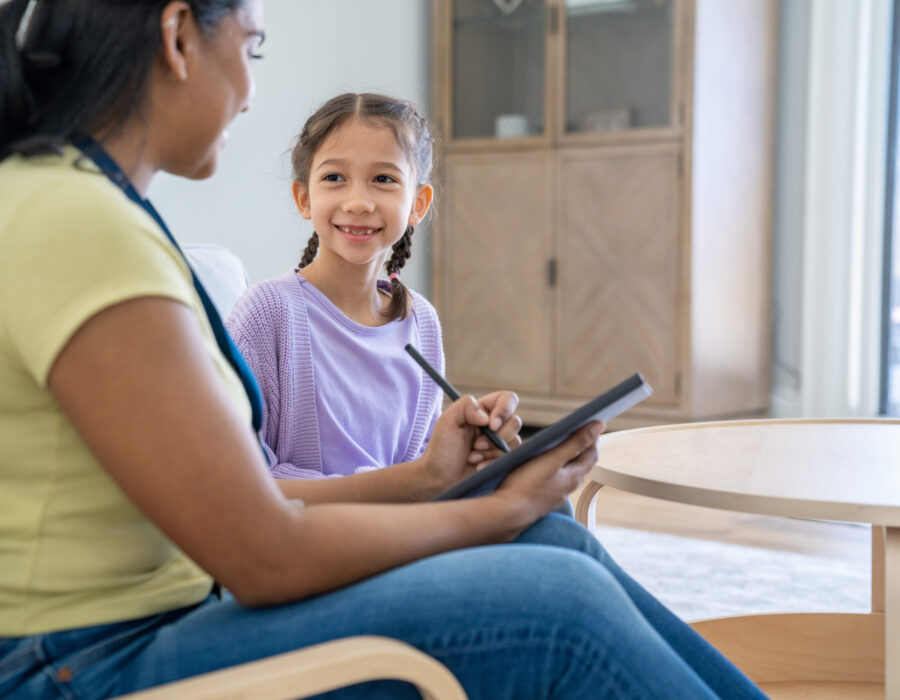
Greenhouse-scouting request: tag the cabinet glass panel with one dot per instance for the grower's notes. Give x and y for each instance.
(498, 68)
(618, 64)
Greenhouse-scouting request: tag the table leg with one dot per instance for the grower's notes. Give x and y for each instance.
(878, 568)
(892, 614)
(584, 513)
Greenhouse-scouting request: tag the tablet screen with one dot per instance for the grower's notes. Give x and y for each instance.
(605, 407)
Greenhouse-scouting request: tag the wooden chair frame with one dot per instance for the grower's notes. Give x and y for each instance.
(317, 669)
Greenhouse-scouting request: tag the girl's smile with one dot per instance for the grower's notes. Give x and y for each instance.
(358, 234)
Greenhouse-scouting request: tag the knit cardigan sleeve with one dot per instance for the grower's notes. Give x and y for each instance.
(433, 350)
(258, 323)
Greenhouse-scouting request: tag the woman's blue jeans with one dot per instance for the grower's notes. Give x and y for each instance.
(550, 616)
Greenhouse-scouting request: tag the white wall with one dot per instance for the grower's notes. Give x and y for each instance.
(314, 49)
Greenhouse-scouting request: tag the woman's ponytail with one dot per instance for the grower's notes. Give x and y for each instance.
(16, 102)
(79, 66)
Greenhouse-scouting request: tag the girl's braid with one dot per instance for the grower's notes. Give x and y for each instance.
(312, 247)
(402, 250)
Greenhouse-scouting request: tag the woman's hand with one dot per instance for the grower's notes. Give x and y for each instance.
(541, 485)
(449, 455)
(501, 409)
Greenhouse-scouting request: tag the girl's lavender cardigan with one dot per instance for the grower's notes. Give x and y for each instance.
(271, 326)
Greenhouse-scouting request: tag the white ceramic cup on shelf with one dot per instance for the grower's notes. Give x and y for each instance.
(508, 126)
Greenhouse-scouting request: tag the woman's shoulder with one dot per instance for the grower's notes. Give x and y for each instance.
(64, 183)
(59, 200)
(57, 209)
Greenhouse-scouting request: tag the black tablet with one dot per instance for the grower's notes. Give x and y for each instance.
(605, 407)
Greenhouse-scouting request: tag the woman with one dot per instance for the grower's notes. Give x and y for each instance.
(130, 475)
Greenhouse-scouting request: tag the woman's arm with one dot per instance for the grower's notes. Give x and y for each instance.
(138, 384)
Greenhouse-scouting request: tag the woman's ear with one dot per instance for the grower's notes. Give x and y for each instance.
(421, 204)
(178, 32)
(301, 198)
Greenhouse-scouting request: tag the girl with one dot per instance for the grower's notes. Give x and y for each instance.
(326, 340)
(130, 473)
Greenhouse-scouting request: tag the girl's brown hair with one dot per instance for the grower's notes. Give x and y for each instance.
(414, 137)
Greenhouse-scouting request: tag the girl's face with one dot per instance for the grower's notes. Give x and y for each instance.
(362, 193)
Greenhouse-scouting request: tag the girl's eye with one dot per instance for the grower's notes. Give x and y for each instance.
(255, 56)
(332, 177)
(384, 179)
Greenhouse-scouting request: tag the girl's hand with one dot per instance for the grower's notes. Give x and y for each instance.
(500, 407)
(541, 485)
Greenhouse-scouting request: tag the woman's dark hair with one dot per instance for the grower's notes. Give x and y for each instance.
(78, 66)
(414, 137)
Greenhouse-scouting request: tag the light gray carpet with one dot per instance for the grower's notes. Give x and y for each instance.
(700, 579)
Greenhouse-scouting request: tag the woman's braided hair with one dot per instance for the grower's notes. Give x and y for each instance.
(414, 137)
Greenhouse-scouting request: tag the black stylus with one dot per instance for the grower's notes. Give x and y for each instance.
(453, 394)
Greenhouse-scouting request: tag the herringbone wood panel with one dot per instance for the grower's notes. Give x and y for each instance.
(498, 312)
(619, 272)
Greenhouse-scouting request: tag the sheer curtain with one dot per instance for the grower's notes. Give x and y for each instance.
(833, 118)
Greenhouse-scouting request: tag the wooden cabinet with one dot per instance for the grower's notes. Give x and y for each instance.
(605, 200)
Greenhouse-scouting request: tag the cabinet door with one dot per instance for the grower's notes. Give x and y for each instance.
(620, 60)
(496, 71)
(494, 250)
(619, 270)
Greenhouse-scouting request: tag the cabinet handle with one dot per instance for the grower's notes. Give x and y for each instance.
(553, 11)
(551, 272)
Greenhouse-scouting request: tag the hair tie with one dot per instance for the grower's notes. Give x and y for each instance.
(394, 276)
(25, 25)
(32, 22)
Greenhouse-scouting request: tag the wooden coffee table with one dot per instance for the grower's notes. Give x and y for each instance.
(846, 470)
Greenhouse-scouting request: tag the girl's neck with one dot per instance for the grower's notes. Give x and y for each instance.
(351, 288)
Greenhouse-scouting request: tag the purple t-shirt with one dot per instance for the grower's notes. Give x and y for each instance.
(367, 387)
(337, 396)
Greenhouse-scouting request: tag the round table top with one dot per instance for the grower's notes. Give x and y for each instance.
(830, 469)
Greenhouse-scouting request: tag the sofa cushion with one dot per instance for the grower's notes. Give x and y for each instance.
(220, 271)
